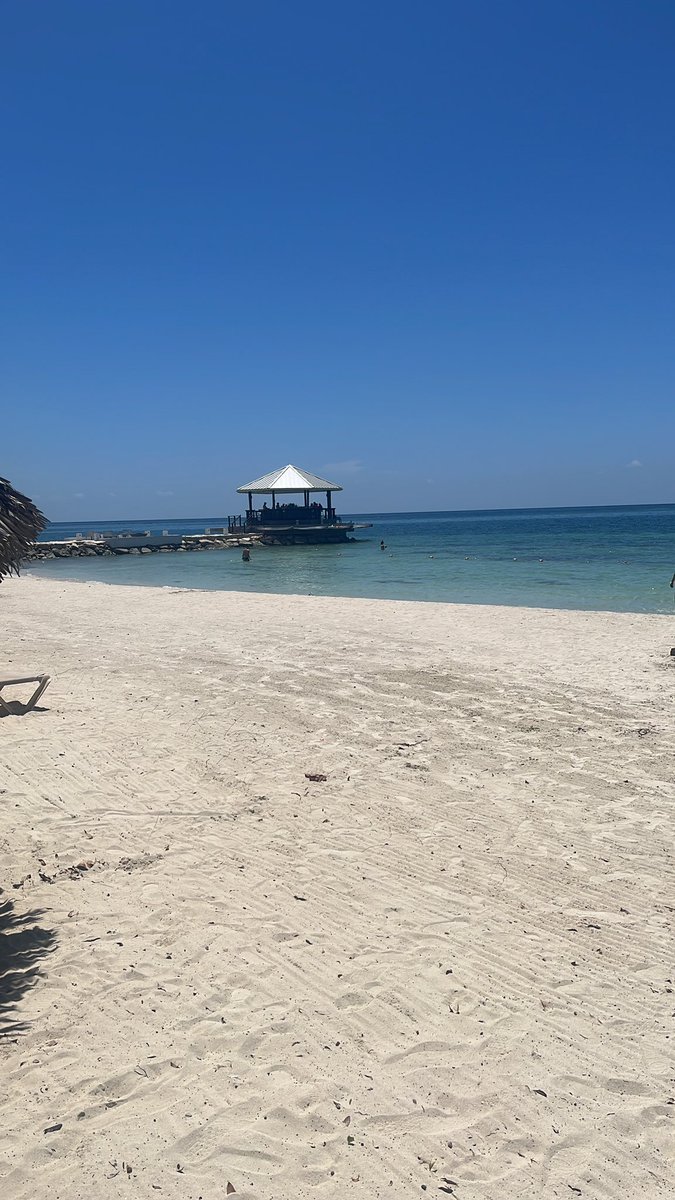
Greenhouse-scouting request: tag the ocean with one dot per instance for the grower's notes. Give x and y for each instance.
(618, 559)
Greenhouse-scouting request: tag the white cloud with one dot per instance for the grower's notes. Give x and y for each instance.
(635, 462)
(350, 466)
(161, 493)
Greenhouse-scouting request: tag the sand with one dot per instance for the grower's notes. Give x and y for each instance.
(447, 969)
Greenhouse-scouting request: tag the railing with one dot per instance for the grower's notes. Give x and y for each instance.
(282, 515)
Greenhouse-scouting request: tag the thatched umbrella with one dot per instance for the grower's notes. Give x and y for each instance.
(20, 523)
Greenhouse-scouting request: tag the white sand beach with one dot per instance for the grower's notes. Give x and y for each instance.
(446, 969)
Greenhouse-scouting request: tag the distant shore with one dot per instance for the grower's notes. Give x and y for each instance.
(333, 892)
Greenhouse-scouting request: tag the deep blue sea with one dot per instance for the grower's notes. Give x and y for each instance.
(615, 559)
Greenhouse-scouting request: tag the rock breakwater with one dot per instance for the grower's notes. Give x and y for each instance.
(110, 548)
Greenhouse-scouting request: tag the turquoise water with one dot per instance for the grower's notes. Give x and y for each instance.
(617, 559)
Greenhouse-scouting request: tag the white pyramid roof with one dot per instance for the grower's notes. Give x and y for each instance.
(289, 479)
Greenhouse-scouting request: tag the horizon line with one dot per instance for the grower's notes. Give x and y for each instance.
(404, 512)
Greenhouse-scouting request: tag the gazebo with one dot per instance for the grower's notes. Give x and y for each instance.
(288, 522)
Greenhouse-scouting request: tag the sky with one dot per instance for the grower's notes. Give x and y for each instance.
(424, 248)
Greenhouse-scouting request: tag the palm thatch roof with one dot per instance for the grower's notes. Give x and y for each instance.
(20, 523)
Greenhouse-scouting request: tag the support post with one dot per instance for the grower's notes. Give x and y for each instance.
(328, 504)
(250, 506)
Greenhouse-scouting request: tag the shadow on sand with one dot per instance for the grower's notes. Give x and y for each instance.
(14, 708)
(22, 944)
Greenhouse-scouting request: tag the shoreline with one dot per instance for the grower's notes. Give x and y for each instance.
(26, 573)
(446, 960)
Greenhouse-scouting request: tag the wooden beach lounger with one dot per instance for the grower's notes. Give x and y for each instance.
(42, 682)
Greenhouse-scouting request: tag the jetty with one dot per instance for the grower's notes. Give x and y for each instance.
(283, 521)
(288, 523)
(133, 542)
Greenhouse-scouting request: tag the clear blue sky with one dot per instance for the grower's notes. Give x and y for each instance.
(424, 247)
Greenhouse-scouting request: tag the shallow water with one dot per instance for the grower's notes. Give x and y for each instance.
(616, 559)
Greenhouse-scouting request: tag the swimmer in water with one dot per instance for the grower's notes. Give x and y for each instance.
(382, 545)
(246, 554)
